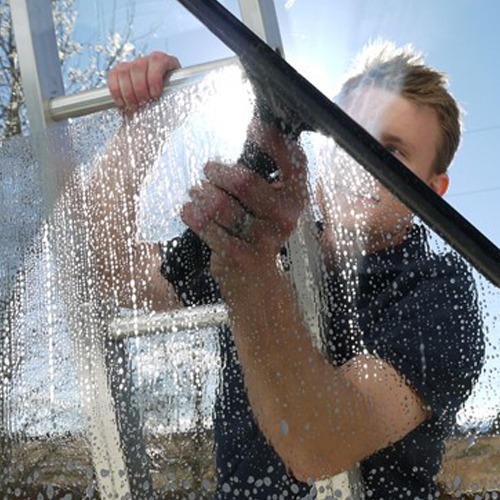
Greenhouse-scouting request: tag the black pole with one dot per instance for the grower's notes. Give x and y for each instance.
(285, 89)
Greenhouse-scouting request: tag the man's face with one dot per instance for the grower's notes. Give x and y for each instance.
(351, 198)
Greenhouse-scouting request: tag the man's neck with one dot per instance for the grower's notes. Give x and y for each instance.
(343, 247)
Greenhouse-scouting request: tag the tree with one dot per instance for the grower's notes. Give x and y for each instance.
(82, 63)
(11, 96)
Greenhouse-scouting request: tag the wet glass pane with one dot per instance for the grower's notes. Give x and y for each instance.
(86, 411)
(62, 370)
(381, 346)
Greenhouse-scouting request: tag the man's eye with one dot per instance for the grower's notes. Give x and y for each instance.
(394, 150)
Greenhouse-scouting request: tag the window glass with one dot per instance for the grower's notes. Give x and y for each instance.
(366, 332)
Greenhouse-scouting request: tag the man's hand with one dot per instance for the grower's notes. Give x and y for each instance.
(245, 219)
(134, 83)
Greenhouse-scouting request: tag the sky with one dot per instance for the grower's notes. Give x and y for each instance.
(459, 37)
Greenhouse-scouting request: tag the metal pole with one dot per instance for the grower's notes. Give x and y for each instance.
(38, 58)
(189, 318)
(42, 80)
(260, 16)
(93, 101)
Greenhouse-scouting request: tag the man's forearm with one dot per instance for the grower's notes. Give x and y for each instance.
(114, 193)
(304, 405)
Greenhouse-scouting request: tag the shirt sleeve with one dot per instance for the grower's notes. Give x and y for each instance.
(428, 326)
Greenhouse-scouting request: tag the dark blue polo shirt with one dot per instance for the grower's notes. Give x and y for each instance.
(413, 308)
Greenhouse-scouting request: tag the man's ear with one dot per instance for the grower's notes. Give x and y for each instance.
(439, 183)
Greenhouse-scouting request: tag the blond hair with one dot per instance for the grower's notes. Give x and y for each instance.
(403, 71)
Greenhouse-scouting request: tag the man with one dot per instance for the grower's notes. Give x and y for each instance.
(402, 347)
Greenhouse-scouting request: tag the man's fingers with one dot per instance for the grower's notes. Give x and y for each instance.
(140, 88)
(218, 205)
(159, 67)
(134, 83)
(214, 235)
(127, 91)
(123, 86)
(279, 202)
(249, 188)
(114, 87)
(233, 249)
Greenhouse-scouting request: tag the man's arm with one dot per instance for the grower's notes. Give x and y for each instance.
(321, 419)
(129, 269)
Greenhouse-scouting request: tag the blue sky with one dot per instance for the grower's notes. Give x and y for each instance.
(460, 37)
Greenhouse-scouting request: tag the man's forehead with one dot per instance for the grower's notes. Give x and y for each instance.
(368, 98)
(378, 110)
